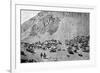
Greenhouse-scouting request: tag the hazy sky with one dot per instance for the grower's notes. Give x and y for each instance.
(25, 15)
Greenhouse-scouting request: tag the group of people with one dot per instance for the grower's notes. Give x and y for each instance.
(72, 46)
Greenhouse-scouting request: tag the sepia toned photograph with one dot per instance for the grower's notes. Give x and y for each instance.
(52, 36)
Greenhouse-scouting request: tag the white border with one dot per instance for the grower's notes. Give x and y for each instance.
(15, 61)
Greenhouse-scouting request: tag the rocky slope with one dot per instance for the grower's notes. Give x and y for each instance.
(58, 25)
(41, 33)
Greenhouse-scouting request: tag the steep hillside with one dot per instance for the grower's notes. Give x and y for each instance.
(58, 25)
(55, 36)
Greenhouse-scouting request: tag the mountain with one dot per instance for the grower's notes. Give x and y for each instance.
(56, 25)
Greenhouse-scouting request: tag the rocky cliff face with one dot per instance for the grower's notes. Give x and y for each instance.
(57, 25)
(55, 36)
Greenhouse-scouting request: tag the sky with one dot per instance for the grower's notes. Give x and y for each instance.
(27, 14)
